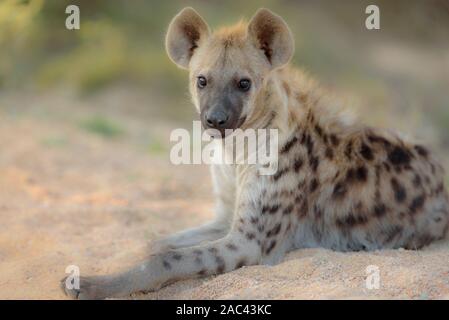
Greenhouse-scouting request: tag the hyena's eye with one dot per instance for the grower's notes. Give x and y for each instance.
(201, 82)
(244, 84)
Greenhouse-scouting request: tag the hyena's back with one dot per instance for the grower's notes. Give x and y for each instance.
(362, 191)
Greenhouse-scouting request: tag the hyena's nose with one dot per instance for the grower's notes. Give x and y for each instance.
(216, 119)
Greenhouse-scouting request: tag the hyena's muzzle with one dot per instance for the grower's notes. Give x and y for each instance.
(221, 110)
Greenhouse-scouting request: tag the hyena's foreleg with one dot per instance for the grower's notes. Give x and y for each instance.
(224, 191)
(211, 231)
(259, 233)
(229, 253)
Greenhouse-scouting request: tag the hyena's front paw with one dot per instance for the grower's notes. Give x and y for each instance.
(89, 288)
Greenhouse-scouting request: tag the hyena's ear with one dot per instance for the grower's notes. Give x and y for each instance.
(185, 33)
(271, 34)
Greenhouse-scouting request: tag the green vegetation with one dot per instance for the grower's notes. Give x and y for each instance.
(157, 147)
(124, 41)
(102, 126)
(54, 142)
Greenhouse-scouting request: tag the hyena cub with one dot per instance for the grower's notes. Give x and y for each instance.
(339, 185)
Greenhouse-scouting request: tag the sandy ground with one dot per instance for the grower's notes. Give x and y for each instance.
(70, 197)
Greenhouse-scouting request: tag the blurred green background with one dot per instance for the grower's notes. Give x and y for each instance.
(116, 67)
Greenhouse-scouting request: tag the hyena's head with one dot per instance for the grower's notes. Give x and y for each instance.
(228, 67)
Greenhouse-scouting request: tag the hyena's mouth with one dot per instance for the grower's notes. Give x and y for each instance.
(241, 121)
(220, 133)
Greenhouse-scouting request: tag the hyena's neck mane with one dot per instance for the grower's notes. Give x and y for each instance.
(291, 100)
